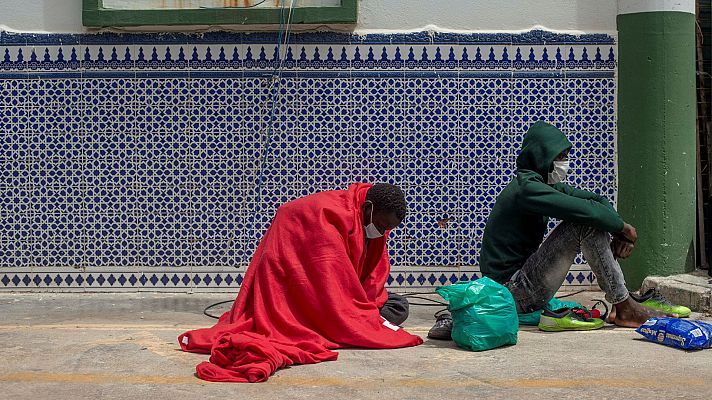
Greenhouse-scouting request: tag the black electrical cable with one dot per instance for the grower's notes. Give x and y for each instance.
(419, 296)
(413, 295)
(435, 303)
(406, 294)
(570, 294)
(416, 295)
(205, 311)
(427, 304)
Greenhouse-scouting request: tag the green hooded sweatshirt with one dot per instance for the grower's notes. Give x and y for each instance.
(518, 221)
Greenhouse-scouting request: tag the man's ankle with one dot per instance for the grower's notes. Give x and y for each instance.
(624, 306)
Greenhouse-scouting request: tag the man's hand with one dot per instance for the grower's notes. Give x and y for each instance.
(621, 248)
(629, 233)
(624, 242)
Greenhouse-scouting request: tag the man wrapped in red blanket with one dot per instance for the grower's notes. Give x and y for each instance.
(315, 283)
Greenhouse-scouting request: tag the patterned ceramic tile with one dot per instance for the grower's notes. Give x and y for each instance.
(131, 160)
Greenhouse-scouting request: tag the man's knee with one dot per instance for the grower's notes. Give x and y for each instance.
(396, 309)
(585, 231)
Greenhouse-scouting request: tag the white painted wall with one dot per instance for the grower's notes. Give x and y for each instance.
(638, 6)
(489, 15)
(64, 16)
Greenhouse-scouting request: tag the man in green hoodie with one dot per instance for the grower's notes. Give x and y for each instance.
(512, 250)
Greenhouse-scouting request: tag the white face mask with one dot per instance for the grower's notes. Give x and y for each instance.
(371, 231)
(559, 172)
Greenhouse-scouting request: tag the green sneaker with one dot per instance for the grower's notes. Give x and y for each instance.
(568, 319)
(655, 300)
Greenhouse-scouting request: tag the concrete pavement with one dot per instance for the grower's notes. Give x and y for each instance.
(123, 346)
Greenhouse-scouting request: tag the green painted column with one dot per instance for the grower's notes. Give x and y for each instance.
(656, 134)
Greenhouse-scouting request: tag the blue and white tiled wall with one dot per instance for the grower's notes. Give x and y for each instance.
(130, 161)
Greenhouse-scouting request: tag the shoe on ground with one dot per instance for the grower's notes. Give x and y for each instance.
(655, 300)
(442, 330)
(568, 319)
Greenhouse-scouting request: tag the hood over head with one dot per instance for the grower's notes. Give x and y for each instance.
(542, 143)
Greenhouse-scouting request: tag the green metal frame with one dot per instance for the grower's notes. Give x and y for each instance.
(94, 15)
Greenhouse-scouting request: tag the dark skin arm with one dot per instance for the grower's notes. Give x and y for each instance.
(623, 242)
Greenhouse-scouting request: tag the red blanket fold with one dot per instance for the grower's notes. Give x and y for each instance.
(311, 286)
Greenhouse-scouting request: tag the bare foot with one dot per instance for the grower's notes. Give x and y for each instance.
(611, 319)
(630, 314)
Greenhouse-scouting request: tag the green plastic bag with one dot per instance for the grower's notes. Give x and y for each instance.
(483, 314)
(532, 318)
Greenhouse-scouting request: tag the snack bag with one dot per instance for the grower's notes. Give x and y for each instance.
(676, 332)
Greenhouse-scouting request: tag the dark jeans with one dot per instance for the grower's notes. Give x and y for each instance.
(545, 270)
(396, 309)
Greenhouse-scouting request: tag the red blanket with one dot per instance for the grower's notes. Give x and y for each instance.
(312, 286)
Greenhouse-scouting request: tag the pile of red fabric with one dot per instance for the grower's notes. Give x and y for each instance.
(312, 286)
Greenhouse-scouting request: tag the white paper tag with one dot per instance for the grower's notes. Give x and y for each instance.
(390, 325)
(185, 340)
